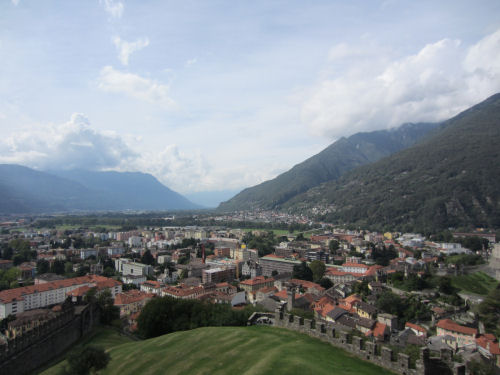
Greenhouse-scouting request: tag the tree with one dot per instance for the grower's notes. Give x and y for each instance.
(42, 266)
(18, 259)
(361, 288)
(300, 237)
(334, 246)
(83, 361)
(166, 314)
(108, 272)
(302, 271)
(147, 258)
(318, 269)
(480, 368)
(7, 252)
(326, 283)
(109, 311)
(57, 267)
(390, 303)
(444, 285)
(68, 268)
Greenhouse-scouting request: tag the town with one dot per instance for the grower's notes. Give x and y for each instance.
(404, 291)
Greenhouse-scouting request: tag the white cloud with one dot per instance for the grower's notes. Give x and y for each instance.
(15, 2)
(191, 61)
(114, 9)
(125, 49)
(111, 80)
(436, 83)
(74, 144)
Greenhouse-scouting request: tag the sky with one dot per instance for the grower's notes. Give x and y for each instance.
(217, 95)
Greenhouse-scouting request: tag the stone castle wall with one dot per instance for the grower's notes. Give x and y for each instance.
(27, 352)
(369, 351)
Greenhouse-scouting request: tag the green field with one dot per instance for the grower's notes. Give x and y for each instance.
(277, 232)
(103, 337)
(477, 283)
(234, 350)
(282, 232)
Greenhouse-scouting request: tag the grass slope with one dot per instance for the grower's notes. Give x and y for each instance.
(235, 350)
(477, 283)
(103, 337)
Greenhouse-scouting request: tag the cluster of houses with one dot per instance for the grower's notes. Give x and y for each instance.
(234, 274)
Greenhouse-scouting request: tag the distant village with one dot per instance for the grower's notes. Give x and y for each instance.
(399, 289)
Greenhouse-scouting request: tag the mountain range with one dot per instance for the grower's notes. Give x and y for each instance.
(24, 190)
(423, 177)
(340, 157)
(450, 179)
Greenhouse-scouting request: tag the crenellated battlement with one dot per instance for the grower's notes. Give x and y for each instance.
(378, 354)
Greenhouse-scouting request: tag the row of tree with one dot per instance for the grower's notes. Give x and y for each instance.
(166, 314)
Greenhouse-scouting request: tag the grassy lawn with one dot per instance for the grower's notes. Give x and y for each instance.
(283, 232)
(104, 337)
(277, 232)
(477, 283)
(235, 350)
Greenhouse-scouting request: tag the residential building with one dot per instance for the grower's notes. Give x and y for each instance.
(86, 253)
(152, 286)
(270, 263)
(217, 275)
(134, 279)
(251, 269)
(128, 267)
(463, 335)
(13, 301)
(132, 301)
(256, 283)
(113, 251)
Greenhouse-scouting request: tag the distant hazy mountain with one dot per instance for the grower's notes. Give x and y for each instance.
(340, 157)
(451, 179)
(211, 199)
(24, 190)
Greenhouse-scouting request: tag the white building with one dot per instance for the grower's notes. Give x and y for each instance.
(134, 279)
(85, 253)
(128, 267)
(134, 241)
(17, 300)
(115, 251)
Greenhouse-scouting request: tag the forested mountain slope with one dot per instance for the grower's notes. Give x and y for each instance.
(451, 179)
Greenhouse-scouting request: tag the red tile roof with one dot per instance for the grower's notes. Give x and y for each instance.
(79, 292)
(132, 296)
(257, 280)
(379, 329)
(416, 327)
(450, 325)
(17, 294)
(307, 284)
(488, 342)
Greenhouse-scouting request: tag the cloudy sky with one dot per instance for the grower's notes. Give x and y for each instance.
(214, 95)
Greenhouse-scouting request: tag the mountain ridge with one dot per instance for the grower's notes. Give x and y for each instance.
(338, 158)
(25, 190)
(448, 180)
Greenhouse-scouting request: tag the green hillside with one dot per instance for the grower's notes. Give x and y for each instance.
(477, 282)
(338, 158)
(234, 350)
(103, 337)
(447, 180)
